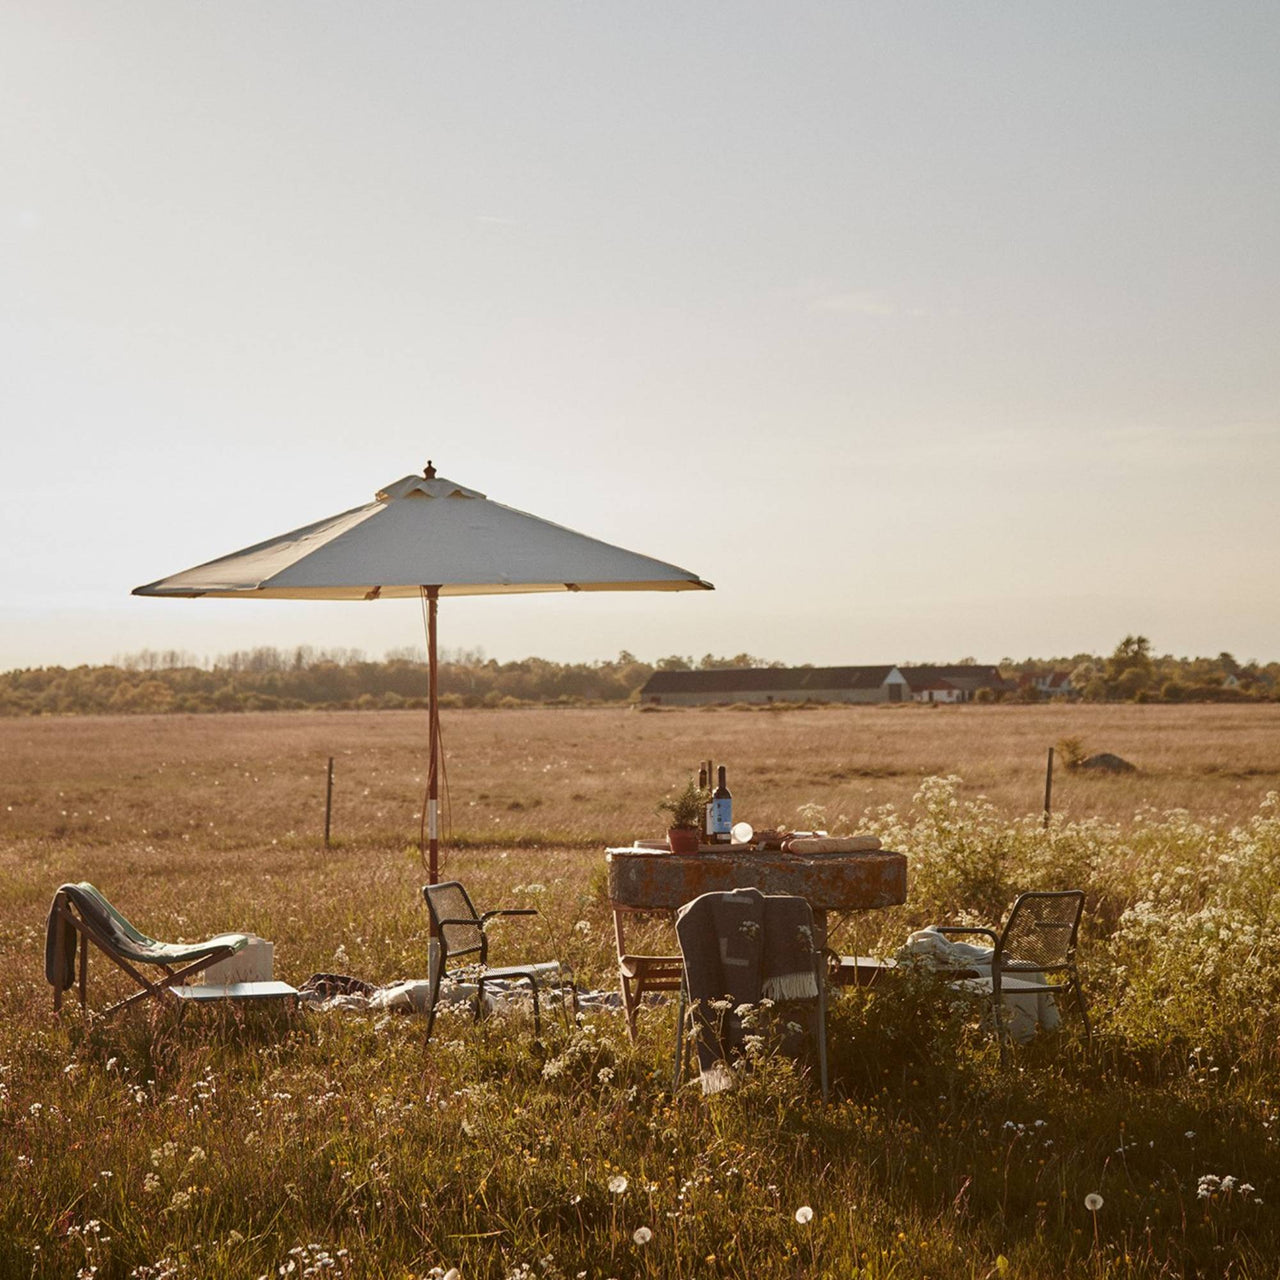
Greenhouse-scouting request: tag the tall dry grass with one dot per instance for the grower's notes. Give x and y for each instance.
(157, 1146)
(591, 777)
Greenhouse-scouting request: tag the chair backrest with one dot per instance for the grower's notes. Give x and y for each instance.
(456, 922)
(1040, 934)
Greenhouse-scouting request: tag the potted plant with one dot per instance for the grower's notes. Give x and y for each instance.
(686, 808)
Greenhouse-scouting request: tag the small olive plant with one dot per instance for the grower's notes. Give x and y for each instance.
(685, 807)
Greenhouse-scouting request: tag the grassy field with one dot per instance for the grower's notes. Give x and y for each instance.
(158, 1147)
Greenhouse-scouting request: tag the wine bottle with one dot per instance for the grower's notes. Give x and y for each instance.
(704, 826)
(721, 811)
(708, 813)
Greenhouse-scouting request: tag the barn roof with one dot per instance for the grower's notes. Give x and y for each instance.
(799, 680)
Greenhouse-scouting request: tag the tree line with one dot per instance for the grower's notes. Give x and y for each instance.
(1133, 673)
(268, 679)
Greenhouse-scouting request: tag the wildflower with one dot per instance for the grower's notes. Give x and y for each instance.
(1190, 1133)
(618, 1184)
(1093, 1202)
(804, 1214)
(642, 1235)
(604, 1075)
(151, 1182)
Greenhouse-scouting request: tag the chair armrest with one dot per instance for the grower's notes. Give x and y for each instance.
(955, 928)
(466, 920)
(507, 911)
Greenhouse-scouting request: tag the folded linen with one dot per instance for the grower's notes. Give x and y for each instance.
(1027, 1005)
(832, 844)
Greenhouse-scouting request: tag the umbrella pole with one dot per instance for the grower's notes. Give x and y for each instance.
(433, 738)
(431, 596)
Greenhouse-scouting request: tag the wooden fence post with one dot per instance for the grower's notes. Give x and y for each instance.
(328, 803)
(1048, 789)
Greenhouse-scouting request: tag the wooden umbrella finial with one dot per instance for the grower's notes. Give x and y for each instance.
(429, 470)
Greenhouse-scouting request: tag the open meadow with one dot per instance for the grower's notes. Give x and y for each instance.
(202, 1146)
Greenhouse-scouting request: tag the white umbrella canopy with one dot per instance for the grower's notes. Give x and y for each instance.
(425, 536)
(425, 531)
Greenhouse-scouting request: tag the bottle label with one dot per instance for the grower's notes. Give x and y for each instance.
(721, 817)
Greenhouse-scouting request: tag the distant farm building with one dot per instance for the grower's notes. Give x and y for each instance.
(1056, 684)
(820, 684)
(960, 682)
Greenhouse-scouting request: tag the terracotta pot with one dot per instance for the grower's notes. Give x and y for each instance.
(683, 839)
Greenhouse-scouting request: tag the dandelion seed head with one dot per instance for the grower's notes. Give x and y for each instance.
(1093, 1202)
(804, 1214)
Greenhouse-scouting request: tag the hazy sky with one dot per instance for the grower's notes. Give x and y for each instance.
(922, 330)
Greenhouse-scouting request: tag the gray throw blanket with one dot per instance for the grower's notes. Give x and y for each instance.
(122, 937)
(740, 947)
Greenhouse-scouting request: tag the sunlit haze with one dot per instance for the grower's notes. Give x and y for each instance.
(920, 330)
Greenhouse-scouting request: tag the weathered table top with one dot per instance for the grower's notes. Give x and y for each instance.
(652, 880)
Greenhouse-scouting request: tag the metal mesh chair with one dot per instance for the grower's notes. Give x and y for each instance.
(738, 947)
(1039, 938)
(461, 930)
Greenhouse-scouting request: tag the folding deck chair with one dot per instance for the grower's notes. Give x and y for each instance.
(81, 913)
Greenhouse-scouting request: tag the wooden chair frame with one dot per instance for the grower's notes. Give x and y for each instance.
(157, 990)
(640, 973)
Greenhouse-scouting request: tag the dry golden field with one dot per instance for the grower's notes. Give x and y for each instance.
(159, 1148)
(588, 777)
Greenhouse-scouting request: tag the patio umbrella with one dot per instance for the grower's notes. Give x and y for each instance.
(425, 536)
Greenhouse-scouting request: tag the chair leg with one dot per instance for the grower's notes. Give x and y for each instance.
(432, 996)
(629, 1004)
(821, 1031)
(997, 1015)
(537, 1018)
(679, 1065)
(60, 939)
(1084, 1017)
